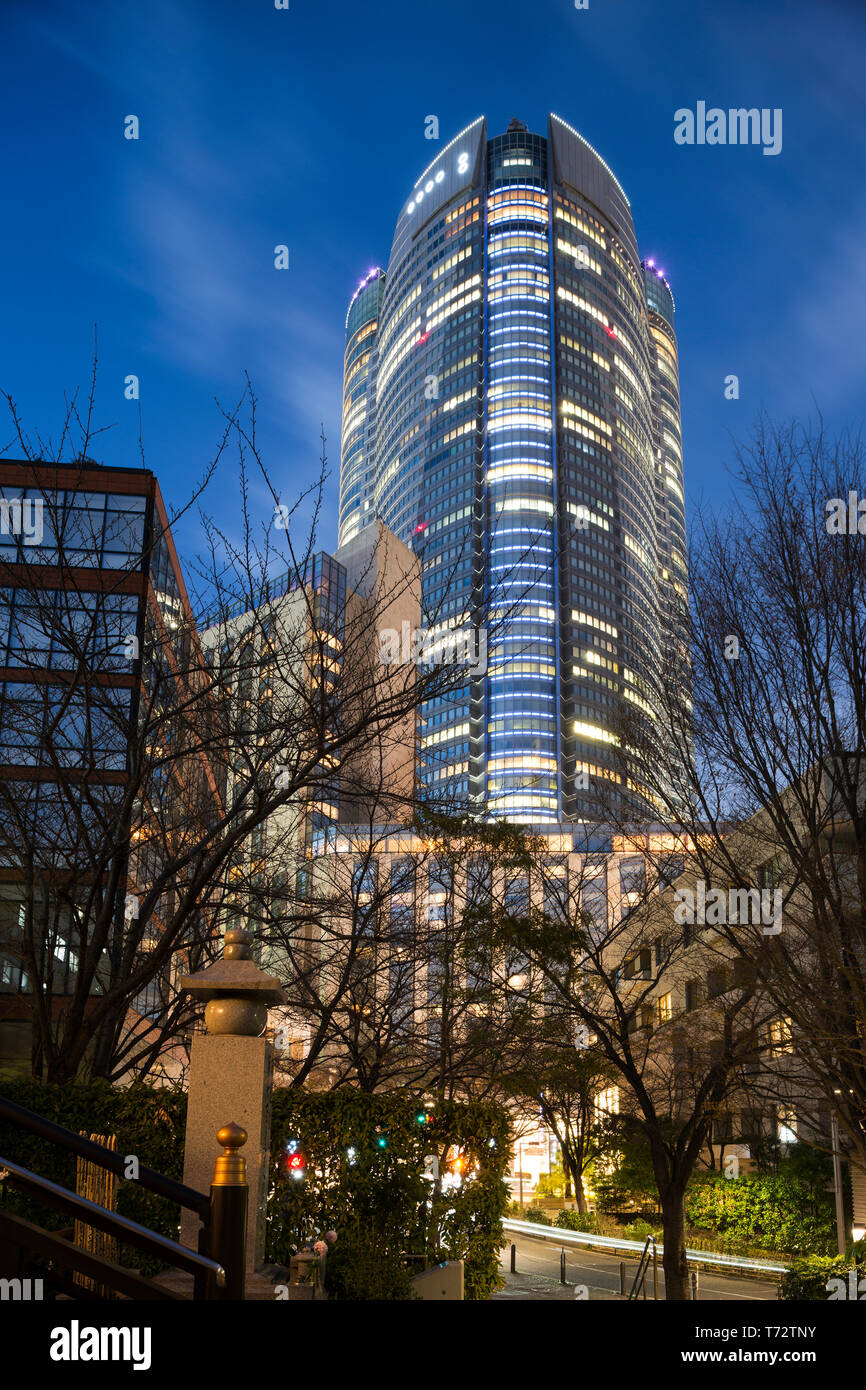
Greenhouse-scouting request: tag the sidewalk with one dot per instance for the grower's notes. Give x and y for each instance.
(538, 1286)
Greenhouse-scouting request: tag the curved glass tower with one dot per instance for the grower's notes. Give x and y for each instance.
(521, 432)
(362, 322)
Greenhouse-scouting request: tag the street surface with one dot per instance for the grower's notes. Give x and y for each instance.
(538, 1261)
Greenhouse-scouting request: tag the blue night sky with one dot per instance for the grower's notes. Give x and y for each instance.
(306, 127)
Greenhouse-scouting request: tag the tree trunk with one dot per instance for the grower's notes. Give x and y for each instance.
(674, 1236)
(574, 1177)
(37, 1059)
(580, 1195)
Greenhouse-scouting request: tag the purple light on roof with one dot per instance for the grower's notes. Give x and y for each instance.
(371, 275)
(652, 263)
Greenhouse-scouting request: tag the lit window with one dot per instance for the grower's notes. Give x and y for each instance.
(779, 1036)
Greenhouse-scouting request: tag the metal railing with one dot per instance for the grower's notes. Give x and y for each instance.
(217, 1268)
(639, 1283)
(105, 1158)
(121, 1227)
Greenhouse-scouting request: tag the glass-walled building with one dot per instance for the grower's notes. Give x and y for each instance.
(511, 411)
(95, 630)
(362, 321)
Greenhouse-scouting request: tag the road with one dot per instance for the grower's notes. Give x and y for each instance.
(600, 1272)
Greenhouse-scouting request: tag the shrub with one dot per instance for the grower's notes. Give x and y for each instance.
(539, 1216)
(149, 1122)
(579, 1221)
(808, 1278)
(379, 1203)
(365, 1157)
(784, 1212)
(551, 1184)
(639, 1230)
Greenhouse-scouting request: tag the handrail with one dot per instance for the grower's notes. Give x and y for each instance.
(66, 1258)
(124, 1229)
(641, 1271)
(103, 1157)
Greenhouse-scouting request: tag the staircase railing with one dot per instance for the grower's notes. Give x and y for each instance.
(649, 1251)
(217, 1268)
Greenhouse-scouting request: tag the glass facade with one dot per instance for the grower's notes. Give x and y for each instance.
(512, 413)
(362, 321)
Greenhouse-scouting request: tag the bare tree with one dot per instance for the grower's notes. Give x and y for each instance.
(386, 957)
(770, 787)
(561, 1082)
(141, 766)
(612, 981)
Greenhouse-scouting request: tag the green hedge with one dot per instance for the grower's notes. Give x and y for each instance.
(808, 1278)
(365, 1157)
(148, 1122)
(538, 1215)
(579, 1221)
(379, 1203)
(783, 1213)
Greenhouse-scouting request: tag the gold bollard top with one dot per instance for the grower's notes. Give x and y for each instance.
(231, 1167)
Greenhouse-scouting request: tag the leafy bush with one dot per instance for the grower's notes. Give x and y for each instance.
(785, 1212)
(723, 1243)
(379, 1202)
(365, 1157)
(639, 1230)
(149, 1122)
(808, 1278)
(362, 1269)
(551, 1184)
(538, 1215)
(631, 1185)
(579, 1221)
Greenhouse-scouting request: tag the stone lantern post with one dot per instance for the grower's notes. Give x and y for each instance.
(231, 1074)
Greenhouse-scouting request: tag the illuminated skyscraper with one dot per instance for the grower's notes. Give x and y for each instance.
(362, 321)
(511, 411)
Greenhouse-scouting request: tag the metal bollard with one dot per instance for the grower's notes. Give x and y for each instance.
(694, 1285)
(514, 1259)
(228, 1213)
(622, 1277)
(562, 1278)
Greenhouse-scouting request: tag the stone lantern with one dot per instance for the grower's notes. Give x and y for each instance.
(231, 1073)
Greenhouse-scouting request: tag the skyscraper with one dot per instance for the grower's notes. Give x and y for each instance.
(511, 411)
